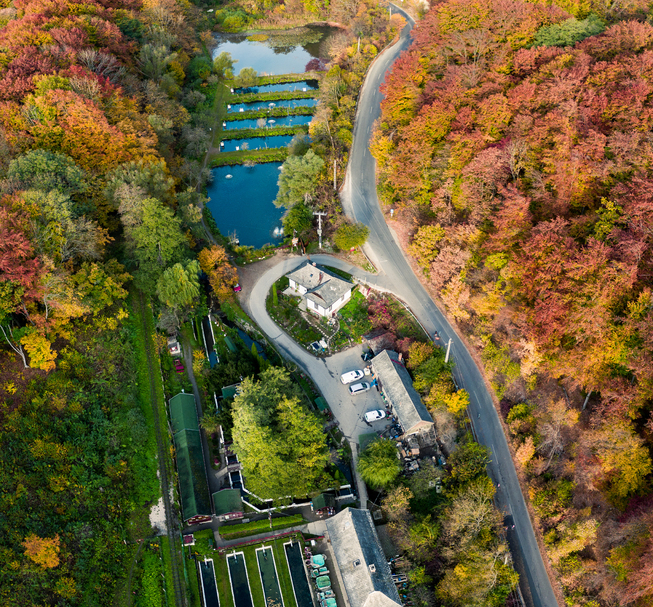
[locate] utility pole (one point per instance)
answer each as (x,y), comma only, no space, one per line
(319,226)
(446,358)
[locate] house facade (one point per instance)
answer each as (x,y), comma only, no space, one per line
(324,292)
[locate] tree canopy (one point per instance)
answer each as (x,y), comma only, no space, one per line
(279,441)
(298,178)
(378,463)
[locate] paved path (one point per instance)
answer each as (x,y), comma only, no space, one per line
(360,202)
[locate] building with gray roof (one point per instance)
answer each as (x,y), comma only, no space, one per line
(325,293)
(362,567)
(397,386)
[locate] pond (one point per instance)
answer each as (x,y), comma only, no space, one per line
(264,105)
(252,123)
(283,52)
(242,204)
(282,87)
(255,143)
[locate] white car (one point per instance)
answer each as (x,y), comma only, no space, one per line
(350,376)
(374,416)
(358,388)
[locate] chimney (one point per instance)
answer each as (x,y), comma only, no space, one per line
(319,280)
(401,357)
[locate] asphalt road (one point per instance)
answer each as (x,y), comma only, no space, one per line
(360,202)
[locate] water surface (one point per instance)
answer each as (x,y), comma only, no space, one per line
(252,123)
(243,203)
(281,87)
(264,105)
(256,143)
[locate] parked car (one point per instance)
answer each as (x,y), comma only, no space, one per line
(350,376)
(237,288)
(358,388)
(374,416)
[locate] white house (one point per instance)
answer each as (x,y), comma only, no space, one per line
(325,293)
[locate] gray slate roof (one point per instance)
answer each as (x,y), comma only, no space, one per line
(323,287)
(398,389)
(354,540)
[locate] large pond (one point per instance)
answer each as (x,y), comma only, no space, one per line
(285,52)
(242,204)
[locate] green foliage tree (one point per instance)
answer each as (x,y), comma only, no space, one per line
(247,77)
(278,439)
(210,422)
(350,235)
(298,178)
(46,170)
(179,286)
(154,239)
(298,219)
(378,463)
(468,463)
(223,66)
(569,32)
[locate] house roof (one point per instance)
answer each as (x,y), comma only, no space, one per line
(183,413)
(363,566)
(193,487)
(323,287)
(227,501)
(398,388)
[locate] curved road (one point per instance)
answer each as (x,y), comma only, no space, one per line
(359,200)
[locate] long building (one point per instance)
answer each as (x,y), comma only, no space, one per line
(193,482)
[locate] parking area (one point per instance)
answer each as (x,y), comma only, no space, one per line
(350,409)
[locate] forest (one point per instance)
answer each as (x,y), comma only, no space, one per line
(514,148)
(104,114)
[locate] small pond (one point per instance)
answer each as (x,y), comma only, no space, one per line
(264,105)
(255,143)
(243,203)
(282,87)
(232,125)
(283,52)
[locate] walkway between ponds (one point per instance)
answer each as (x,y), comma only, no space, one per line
(313,528)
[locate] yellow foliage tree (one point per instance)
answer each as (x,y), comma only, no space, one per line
(457,402)
(39,349)
(42,550)
(222,275)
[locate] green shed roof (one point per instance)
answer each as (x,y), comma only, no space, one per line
(321,404)
(229,391)
(192,474)
(183,413)
(324,500)
(226,501)
(230,344)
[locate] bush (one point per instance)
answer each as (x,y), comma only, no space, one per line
(349,236)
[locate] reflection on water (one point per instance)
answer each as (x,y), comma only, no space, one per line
(285,52)
(243,203)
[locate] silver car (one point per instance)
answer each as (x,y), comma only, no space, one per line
(358,388)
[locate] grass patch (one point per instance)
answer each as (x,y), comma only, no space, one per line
(275,112)
(272,96)
(230,532)
(164,543)
(219,159)
(341,273)
(223,582)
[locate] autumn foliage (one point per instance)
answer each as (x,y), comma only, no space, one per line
(521,173)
